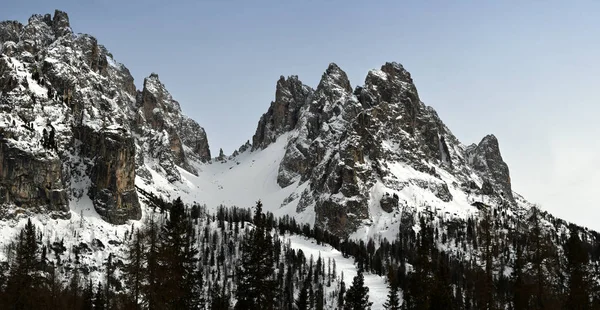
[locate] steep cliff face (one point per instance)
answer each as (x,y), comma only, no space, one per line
(31,182)
(111,172)
(283,114)
(486,159)
(67,88)
(168,136)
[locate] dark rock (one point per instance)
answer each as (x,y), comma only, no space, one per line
(60,24)
(282,116)
(487,188)
(97,245)
(389,203)
(486,159)
(10,31)
(32,182)
(112,174)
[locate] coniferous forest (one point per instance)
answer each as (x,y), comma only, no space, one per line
(186,258)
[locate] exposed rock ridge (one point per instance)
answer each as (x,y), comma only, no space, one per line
(282,116)
(344,140)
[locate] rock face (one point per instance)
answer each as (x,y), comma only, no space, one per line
(344,143)
(487,160)
(104,132)
(166,132)
(282,116)
(32,182)
(112,173)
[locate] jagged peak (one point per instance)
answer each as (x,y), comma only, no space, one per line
(283,113)
(396,70)
(61,24)
(39,18)
(334,76)
(153,84)
(489,139)
(389,72)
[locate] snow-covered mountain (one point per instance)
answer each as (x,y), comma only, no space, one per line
(347,160)
(82,149)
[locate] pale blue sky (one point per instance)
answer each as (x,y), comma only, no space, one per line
(526,72)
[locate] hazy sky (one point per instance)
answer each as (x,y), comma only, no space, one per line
(526,72)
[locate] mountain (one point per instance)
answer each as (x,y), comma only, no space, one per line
(80,144)
(67,88)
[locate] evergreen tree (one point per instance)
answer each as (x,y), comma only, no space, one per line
(99,299)
(357,297)
(134,270)
(302,301)
(152,285)
(218,299)
(255,287)
(520,291)
(341,293)
(392,302)
(88,297)
(23,280)
(320,303)
(578,289)
(180,283)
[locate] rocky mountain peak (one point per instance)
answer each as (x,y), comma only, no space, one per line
(334,78)
(71,113)
(487,160)
(283,113)
(60,23)
(396,71)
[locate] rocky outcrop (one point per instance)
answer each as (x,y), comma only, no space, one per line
(112,173)
(389,203)
(487,161)
(33,182)
(282,116)
(9,31)
(344,140)
(169,135)
(60,24)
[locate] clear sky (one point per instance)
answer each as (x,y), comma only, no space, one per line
(526,71)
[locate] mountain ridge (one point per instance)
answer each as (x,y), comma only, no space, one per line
(347,149)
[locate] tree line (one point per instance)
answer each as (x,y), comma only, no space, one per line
(186,258)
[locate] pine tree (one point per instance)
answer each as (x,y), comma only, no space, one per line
(255,287)
(520,291)
(341,293)
(152,272)
(88,297)
(320,304)
(218,299)
(134,270)
(100,299)
(302,301)
(180,283)
(578,289)
(23,280)
(357,297)
(392,302)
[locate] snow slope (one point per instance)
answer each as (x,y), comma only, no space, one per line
(377,287)
(239,181)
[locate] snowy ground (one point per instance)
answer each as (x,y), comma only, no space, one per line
(377,287)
